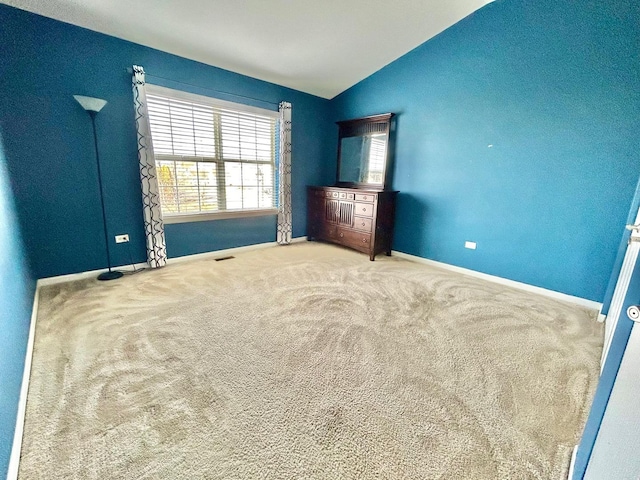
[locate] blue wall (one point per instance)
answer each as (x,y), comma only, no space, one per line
(49,145)
(553,87)
(16,301)
(550,85)
(200,237)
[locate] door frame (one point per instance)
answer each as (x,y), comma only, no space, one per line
(620,291)
(612,358)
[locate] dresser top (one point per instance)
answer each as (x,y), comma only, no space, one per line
(351,189)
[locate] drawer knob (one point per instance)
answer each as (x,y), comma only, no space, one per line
(363,224)
(364,240)
(364,209)
(341,234)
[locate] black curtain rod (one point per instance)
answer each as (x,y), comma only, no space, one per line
(130,71)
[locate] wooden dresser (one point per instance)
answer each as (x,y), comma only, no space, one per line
(353,217)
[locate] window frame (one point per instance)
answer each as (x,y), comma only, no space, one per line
(171,218)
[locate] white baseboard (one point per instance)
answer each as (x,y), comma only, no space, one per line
(228,251)
(42,282)
(14,459)
(583,302)
(572,465)
(187,258)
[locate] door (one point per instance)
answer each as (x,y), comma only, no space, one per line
(622,285)
(615,451)
(613,426)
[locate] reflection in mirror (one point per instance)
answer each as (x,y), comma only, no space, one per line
(363,159)
(363,152)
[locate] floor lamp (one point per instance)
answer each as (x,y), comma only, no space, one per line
(92,107)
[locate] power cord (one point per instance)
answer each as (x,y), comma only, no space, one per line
(133,265)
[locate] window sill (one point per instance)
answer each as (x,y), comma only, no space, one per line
(202,217)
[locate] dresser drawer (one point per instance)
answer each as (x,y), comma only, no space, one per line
(358,240)
(364,209)
(340,195)
(362,223)
(365,197)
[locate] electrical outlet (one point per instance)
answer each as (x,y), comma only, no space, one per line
(470,245)
(122,238)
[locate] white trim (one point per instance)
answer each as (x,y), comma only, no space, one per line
(206,216)
(617,301)
(572,465)
(71,277)
(619,293)
(210,101)
(14,459)
(583,302)
(229,251)
(197,256)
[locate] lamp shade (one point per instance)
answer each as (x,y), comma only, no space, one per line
(90,104)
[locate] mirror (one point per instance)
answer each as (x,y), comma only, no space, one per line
(362,159)
(363,151)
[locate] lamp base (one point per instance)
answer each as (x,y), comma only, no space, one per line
(112,275)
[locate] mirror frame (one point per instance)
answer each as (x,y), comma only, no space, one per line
(360,127)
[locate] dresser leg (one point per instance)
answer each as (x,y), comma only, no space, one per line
(372,257)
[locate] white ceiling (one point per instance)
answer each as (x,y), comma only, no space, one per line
(317,46)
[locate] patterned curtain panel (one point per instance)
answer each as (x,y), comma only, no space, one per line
(153,224)
(284,170)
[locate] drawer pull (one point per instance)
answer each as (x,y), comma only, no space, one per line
(363,224)
(364,209)
(341,234)
(364,240)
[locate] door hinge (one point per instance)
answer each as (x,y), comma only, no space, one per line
(635,233)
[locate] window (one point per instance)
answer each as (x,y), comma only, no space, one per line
(377,153)
(214,159)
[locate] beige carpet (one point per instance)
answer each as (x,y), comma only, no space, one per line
(306,362)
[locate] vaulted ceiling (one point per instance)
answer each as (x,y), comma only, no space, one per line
(320,47)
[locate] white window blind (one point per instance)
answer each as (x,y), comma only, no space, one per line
(377,153)
(211,156)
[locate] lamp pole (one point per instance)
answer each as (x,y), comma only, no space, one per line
(110,275)
(92,106)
